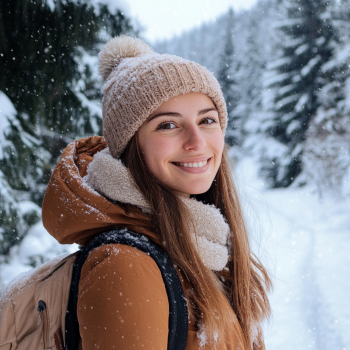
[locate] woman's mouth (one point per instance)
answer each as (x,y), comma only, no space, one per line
(193,164)
(194,167)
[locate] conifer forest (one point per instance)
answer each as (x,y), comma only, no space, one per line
(284,68)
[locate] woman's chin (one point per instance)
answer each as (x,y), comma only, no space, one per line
(192,190)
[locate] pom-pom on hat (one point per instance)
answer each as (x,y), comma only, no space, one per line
(138,81)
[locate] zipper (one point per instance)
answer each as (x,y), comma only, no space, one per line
(43,315)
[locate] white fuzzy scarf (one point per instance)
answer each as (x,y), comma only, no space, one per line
(210,232)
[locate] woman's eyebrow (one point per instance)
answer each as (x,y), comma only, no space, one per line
(203,111)
(174,114)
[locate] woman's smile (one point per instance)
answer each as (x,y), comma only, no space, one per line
(194,167)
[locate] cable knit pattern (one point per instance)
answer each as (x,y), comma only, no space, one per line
(209,231)
(138,81)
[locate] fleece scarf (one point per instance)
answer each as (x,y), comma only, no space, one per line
(209,231)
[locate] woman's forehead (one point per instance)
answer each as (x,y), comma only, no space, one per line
(193,100)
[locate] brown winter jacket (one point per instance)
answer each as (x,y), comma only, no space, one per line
(122,303)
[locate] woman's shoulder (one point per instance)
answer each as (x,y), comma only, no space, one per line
(119,260)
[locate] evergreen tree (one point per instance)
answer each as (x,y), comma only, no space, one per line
(16,213)
(333,96)
(252,57)
(225,74)
(296,78)
(226,61)
(326,153)
(48,70)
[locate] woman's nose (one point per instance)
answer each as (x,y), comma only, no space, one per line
(194,139)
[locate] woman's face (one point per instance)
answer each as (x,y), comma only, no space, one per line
(182,143)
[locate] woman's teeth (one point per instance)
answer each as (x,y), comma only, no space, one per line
(194,165)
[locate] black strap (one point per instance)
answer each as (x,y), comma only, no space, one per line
(178,313)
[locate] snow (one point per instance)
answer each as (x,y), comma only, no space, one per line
(93,107)
(301,49)
(287,101)
(302,102)
(341,57)
(85,61)
(293,126)
(51,4)
(201,335)
(311,65)
(279,63)
(347,93)
(288,22)
(285,89)
(25,207)
(6,192)
(7,112)
(276,78)
(305,243)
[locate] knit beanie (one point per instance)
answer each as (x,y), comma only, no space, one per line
(138,80)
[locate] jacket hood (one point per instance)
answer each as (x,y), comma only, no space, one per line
(72,211)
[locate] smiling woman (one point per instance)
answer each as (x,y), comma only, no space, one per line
(182,143)
(161,171)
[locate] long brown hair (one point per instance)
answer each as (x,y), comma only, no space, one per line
(246,286)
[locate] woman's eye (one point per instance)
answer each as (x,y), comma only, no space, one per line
(208,121)
(167,126)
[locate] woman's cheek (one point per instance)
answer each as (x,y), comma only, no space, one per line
(221,142)
(216,142)
(164,147)
(157,153)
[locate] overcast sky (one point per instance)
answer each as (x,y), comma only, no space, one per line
(165,18)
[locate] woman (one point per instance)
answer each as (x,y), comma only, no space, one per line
(162,171)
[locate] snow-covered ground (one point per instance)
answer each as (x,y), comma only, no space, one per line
(304,242)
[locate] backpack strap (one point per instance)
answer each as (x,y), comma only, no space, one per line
(178,313)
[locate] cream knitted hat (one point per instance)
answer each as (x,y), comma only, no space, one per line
(138,81)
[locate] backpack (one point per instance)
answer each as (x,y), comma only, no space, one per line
(38,310)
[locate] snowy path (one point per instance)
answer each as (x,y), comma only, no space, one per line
(306,245)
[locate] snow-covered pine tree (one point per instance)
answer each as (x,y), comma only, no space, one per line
(296,78)
(334,95)
(17,212)
(326,153)
(224,73)
(252,28)
(225,76)
(48,70)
